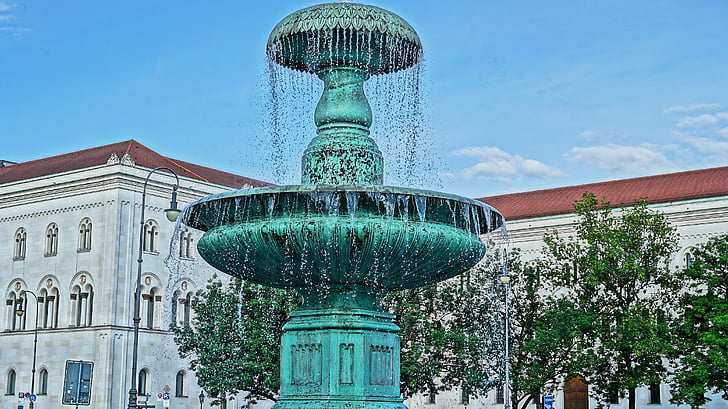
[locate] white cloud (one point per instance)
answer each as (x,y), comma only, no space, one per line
(709,146)
(701,121)
(620,158)
(493,163)
(688,108)
(723,132)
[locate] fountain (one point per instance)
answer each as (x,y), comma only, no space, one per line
(341,239)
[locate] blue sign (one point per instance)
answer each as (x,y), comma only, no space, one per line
(32,397)
(548,402)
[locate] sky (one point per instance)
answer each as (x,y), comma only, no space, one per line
(520,95)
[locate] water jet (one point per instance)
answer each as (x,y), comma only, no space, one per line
(341,239)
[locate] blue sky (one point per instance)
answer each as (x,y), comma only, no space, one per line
(523,95)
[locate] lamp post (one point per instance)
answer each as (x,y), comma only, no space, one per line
(505,278)
(171,214)
(202,398)
(19,312)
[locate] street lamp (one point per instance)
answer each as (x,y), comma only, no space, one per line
(19,312)
(171,214)
(202,398)
(505,278)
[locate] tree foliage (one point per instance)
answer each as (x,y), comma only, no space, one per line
(701,328)
(450,333)
(615,271)
(546,334)
(234,340)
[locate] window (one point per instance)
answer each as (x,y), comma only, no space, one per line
(151,307)
(151,237)
(10,386)
(179,389)
(143,381)
(49,310)
(43,382)
(12,304)
(84,235)
(655,394)
(19,320)
(689,257)
(464,397)
(82,305)
(20,243)
(499,395)
(51,246)
(614,398)
(185,244)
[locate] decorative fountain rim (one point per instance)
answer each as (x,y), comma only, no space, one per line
(359,17)
(479,218)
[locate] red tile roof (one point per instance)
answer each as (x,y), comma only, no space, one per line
(141,155)
(672,187)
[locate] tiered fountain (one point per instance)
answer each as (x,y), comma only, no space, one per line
(341,239)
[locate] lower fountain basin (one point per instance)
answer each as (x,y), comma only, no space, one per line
(313,235)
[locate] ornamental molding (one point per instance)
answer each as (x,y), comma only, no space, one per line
(48,212)
(347,16)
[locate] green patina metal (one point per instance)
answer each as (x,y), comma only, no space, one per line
(341,239)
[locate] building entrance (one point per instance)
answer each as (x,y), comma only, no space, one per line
(576,393)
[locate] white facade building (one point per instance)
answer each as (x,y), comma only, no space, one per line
(695,203)
(70,226)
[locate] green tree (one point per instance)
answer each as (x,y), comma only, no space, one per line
(615,271)
(447,336)
(450,334)
(546,334)
(234,340)
(701,331)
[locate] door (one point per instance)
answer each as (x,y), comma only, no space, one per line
(576,393)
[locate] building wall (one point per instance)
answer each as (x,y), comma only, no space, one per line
(110,197)
(695,220)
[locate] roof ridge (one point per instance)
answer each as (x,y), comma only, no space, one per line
(70,153)
(627,180)
(187,169)
(218,170)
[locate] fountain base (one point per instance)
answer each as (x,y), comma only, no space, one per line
(340,358)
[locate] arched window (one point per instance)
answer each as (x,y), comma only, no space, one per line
(21,237)
(49,312)
(43,382)
(182,305)
(51,245)
(186,244)
(84,235)
(10,385)
(187,309)
(149,300)
(689,257)
(88,304)
(10,318)
(17,322)
(151,236)
(82,300)
(143,382)
(76,306)
(179,383)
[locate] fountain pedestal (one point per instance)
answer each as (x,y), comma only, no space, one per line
(341,239)
(340,359)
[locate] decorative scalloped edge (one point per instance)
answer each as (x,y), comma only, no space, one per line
(359,17)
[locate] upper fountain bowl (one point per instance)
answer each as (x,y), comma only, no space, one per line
(344,35)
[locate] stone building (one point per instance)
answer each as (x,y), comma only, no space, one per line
(695,203)
(71,231)
(71,227)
